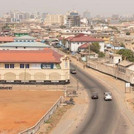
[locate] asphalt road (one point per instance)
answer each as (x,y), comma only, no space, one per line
(103,117)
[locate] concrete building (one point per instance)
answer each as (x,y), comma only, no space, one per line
(72,19)
(54,19)
(43,66)
(115,58)
(73,43)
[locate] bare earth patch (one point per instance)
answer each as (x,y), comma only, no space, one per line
(130,101)
(21,109)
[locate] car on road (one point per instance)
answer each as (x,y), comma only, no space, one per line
(73,71)
(95,95)
(108,96)
(107,93)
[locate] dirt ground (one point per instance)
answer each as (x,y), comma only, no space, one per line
(21,109)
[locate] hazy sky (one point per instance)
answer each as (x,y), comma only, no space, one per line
(102,7)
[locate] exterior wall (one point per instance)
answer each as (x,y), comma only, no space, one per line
(75,45)
(59,72)
(118,72)
(34,74)
(101,46)
(54,19)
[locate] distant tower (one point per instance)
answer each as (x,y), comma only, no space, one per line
(72,19)
(87,15)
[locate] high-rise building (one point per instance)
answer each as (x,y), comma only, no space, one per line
(52,19)
(72,19)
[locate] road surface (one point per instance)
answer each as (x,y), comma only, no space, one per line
(104,116)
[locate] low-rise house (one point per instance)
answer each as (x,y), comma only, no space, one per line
(24,43)
(42,66)
(73,43)
(115,58)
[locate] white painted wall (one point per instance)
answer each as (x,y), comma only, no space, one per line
(101,46)
(75,45)
(35,66)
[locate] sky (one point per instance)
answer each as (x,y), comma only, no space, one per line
(101,7)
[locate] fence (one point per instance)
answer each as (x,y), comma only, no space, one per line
(36,127)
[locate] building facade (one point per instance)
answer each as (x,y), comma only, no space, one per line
(73,43)
(42,66)
(72,19)
(54,19)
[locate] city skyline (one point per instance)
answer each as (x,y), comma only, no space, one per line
(103,7)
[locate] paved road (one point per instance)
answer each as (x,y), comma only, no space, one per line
(103,117)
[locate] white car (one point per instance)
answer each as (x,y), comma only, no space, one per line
(108,97)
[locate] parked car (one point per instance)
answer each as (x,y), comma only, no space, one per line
(95,95)
(73,71)
(107,96)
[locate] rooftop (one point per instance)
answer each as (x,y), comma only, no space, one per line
(84,46)
(24,44)
(84,38)
(21,56)
(26,37)
(6,39)
(125,63)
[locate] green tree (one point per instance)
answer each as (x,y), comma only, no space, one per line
(64,41)
(122,45)
(127,33)
(127,54)
(101,54)
(95,47)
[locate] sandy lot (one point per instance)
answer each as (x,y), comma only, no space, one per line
(21,109)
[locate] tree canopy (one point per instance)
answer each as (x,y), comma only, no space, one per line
(95,47)
(127,54)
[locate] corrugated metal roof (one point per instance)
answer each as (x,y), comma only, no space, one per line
(24,44)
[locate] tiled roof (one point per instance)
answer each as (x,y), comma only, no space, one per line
(40,56)
(84,46)
(84,38)
(6,39)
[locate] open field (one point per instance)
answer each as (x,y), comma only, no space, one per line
(21,109)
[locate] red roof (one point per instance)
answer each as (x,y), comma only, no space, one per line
(6,39)
(29,56)
(84,46)
(84,38)
(69,38)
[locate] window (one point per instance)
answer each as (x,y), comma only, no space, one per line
(21,65)
(46,66)
(11,65)
(26,65)
(6,65)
